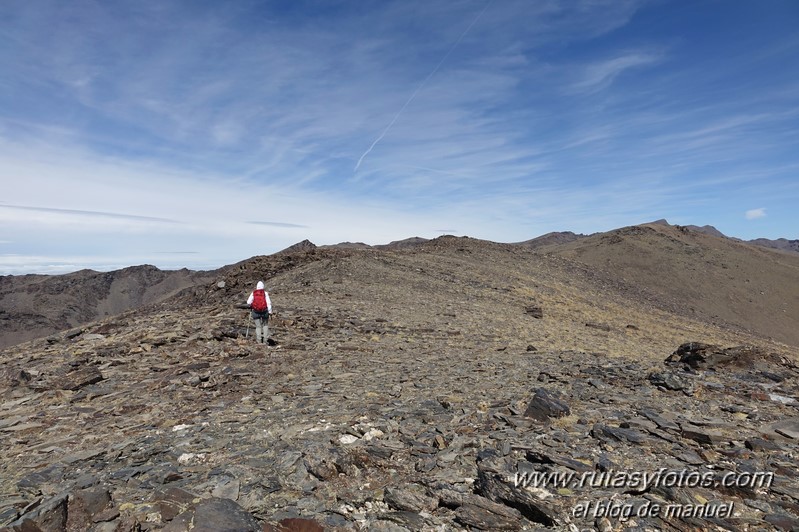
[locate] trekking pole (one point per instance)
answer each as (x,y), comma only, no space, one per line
(248,325)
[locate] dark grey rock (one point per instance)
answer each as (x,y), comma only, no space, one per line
(333,521)
(50,515)
(382,525)
(788,428)
(546,405)
(782,521)
(13,377)
(53,474)
(215,515)
(8,514)
(659,420)
(172,502)
(449,497)
(699,355)
(703,436)
(554,458)
(322,467)
(494,486)
(483,514)
(408,519)
(671,381)
(412,498)
(78,379)
(535,311)
(85,505)
(759,444)
(606,433)
(72,334)
(689,457)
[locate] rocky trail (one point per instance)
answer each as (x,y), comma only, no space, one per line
(452,386)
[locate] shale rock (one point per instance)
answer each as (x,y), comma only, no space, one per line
(483,514)
(214,515)
(546,405)
(699,355)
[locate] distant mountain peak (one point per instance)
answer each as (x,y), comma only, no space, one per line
(305,245)
(707,229)
(347,245)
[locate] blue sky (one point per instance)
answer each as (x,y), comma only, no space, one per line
(199,134)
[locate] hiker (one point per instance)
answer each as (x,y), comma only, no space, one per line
(261,307)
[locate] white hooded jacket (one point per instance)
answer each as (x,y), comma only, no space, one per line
(260,286)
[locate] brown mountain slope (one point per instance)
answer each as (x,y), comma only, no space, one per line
(32,306)
(712,278)
(402,391)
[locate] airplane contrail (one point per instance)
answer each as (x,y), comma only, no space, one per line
(421,85)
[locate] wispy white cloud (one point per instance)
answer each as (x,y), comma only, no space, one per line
(421,86)
(754,214)
(599,75)
(280,224)
(91,214)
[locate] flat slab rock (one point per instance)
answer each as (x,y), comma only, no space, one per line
(214,515)
(545,405)
(788,428)
(484,514)
(78,379)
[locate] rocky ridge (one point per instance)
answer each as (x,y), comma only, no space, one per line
(407,390)
(32,306)
(81,297)
(781,244)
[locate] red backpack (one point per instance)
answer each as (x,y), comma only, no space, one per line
(259,301)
